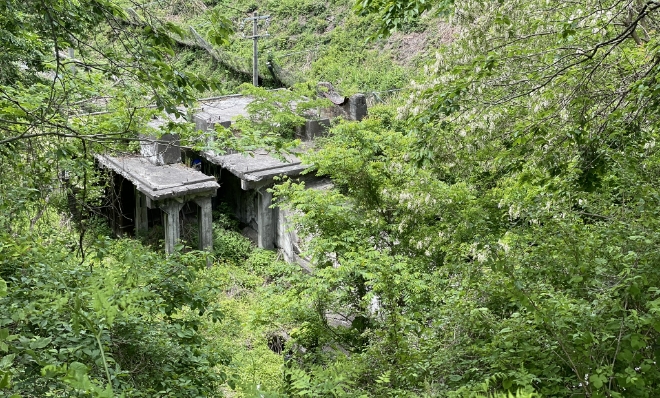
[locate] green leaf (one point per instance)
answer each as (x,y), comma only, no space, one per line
(597,380)
(40,343)
(637,341)
(7,360)
(5,380)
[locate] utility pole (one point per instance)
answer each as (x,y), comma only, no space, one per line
(255,18)
(255,69)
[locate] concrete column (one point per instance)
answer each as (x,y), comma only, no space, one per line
(141,220)
(205,224)
(266,221)
(172,232)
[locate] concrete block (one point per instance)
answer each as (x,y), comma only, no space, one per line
(161,151)
(354,108)
(357,107)
(206,122)
(201,122)
(315,128)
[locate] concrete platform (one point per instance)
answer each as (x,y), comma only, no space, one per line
(258,170)
(160,182)
(221,111)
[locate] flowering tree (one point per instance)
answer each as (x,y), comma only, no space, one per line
(505,218)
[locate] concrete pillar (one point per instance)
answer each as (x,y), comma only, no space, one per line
(266,221)
(141,220)
(171,220)
(205,224)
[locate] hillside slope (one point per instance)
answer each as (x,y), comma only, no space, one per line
(308,40)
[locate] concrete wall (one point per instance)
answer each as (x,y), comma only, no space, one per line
(288,240)
(313,129)
(245,207)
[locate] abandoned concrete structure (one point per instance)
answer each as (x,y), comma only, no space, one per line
(246,178)
(159,181)
(162,182)
(246,181)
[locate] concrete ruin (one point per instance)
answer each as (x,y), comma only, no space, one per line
(222,111)
(161,181)
(247,178)
(246,181)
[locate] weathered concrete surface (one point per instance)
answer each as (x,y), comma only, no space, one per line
(313,129)
(355,108)
(166,187)
(160,182)
(161,151)
(288,240)
(141,213)
(266,220)
(171,210)
(205,223)
(222,111)
(256,170)
(329,92)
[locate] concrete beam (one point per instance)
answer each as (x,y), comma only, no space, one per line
(160,183)
(266,220)
(141,218)
(171,211)
(205,223)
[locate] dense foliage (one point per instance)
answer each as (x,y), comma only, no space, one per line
(493,231)
(501,227)
(125,322)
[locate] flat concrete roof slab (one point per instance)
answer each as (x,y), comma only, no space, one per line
(259,167)
(223,110)
(162,121)
(160,182)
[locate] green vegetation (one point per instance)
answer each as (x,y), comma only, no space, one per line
(491,232)
(128,321)
(308,40)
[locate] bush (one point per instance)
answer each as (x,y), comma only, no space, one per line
(125,321)
(230,245)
